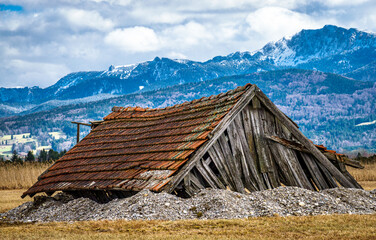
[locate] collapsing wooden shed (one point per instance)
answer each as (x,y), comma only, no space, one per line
(238,140)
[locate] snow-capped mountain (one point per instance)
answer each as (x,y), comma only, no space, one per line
(313,46)
(331,49)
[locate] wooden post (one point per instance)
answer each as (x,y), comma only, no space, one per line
(78,128)
(78,133)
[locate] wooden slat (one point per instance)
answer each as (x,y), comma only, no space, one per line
(314,171)
(270,128)
(259,141)
(262,149)
(187,185)
(329,179)
(251,150)
(222,168)
(232,163)
(303,140)
(205,175)
(234,130)
(196,182)
(212,175)
(292,161)
(342,168)
(285,170)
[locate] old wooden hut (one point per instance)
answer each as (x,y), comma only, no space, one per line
(238,140)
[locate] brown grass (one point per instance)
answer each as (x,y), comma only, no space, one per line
(366,177)
(12,198)
(309,227)
(366,174)
(19,176)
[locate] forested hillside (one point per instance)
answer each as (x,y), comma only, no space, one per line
(326,106)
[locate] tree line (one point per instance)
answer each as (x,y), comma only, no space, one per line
(44,156)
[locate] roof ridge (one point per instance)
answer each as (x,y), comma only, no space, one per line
(140,109)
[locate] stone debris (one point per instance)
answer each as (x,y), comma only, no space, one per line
(208,204)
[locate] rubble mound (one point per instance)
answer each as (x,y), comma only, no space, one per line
(208,204)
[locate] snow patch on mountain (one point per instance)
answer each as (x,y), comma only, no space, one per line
(123,71)
(366,123)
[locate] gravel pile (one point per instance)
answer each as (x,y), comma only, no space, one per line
(208,204)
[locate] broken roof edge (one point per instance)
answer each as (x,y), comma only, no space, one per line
(140,109)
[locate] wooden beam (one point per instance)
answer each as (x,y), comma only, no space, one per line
(303,140)
(80,123)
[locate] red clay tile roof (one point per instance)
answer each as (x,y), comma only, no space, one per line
(136,148)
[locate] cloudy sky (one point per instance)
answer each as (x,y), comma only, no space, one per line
(43,40)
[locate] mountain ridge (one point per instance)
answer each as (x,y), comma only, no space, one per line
(329,49)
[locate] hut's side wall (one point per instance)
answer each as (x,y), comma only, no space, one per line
(245,158)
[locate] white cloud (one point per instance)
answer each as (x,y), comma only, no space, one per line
(35,73)
(187,35)
(86,19)
(276,22)
(135,39)
(337,3)
(176,55)
(115,2)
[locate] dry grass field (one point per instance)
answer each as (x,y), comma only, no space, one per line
(366,174)
(12,198)
(312,227)
(20,177)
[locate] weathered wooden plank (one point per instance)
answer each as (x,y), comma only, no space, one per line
(232,163)
(212,175)
(213,136)
(314,171)
(248,132)
(351,179)
(329,179)
(267,181)
(292,161)
(196,182)
(251,150)
(214,153)
(341,166)
(288,143)
(259,141)
(262,149)
(205,175)
(285,170)
(270,128)
(187,185)
(303,140)
(234,130)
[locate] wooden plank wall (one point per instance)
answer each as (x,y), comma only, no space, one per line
(244,159)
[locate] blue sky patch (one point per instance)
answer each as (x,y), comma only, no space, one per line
(12,8)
